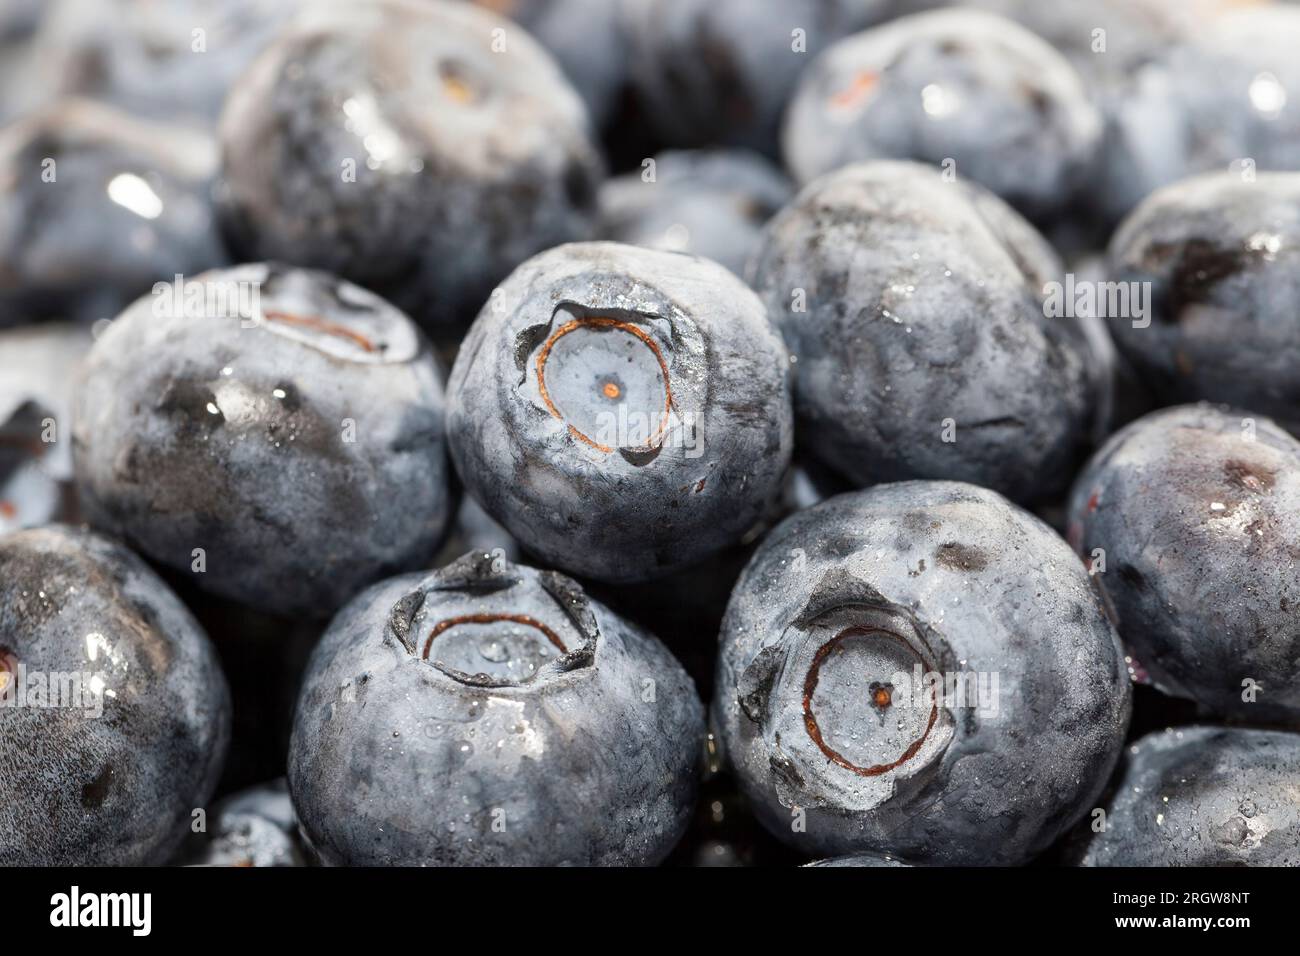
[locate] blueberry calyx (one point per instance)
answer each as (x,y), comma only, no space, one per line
(485,622)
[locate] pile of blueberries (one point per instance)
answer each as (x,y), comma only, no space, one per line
(615,432)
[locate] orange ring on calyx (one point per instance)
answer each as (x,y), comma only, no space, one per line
(603,323)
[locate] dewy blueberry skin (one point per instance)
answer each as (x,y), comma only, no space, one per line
(826,695)
(421,149)
(286,423)
(1220,258)
(711,203)
(96,206)
(914,310)
(1190,517)
(952,86)
(80,785)
(623,412)
(490,714)
(1204,796)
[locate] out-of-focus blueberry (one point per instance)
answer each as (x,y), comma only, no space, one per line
(920,669)
(95,207)
(490,714)
(585,37)
(37,367)
(974,92)
(253,828)
(721,71)
(275,433)
(171,61)
(115,713)
(1215,101)
(421,149)
(624,412)
(1218,260)
(914,311)
(1190,519)
(711,203)
(1204,796)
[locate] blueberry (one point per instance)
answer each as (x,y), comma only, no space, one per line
(420,149)
(37,364)
(90,632)
(710,203)
(1217,256)
(170,61)
(623,412)
(1204,796)
(952,86)
(1216,100)
(585,37)
(285,424)
(721,71)
(253,828)
(490,714)
(95,206)
(915,309)
(1195,512)
(920,669)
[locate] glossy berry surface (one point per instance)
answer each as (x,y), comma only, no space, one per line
(1219,256)
(421,149)
(1190,517)
(114,711)
(490,714)
(710,203)
(1204,796)
(914,310)
(955,87)
(828,713)
(96,206)
(621,411)
(285,423)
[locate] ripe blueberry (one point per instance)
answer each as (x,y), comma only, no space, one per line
(1189,518)
(919,669)
(421,149)
(114,712)
(275,433)
(622,411)
(490,714)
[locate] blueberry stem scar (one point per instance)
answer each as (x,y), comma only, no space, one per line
(316,323)
(601,322)
(810,720)
(523,619)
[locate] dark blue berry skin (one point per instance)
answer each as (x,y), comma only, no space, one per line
(490,714)
(957,86)
(721,71)
(586,39)
(860,859)
(1221,258)
(96,206)
(1204,796)
(387,142)
(913,310)
(1197,511)
(838,755)
(710,203)
(623,412)
(304,453)
(119,789)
